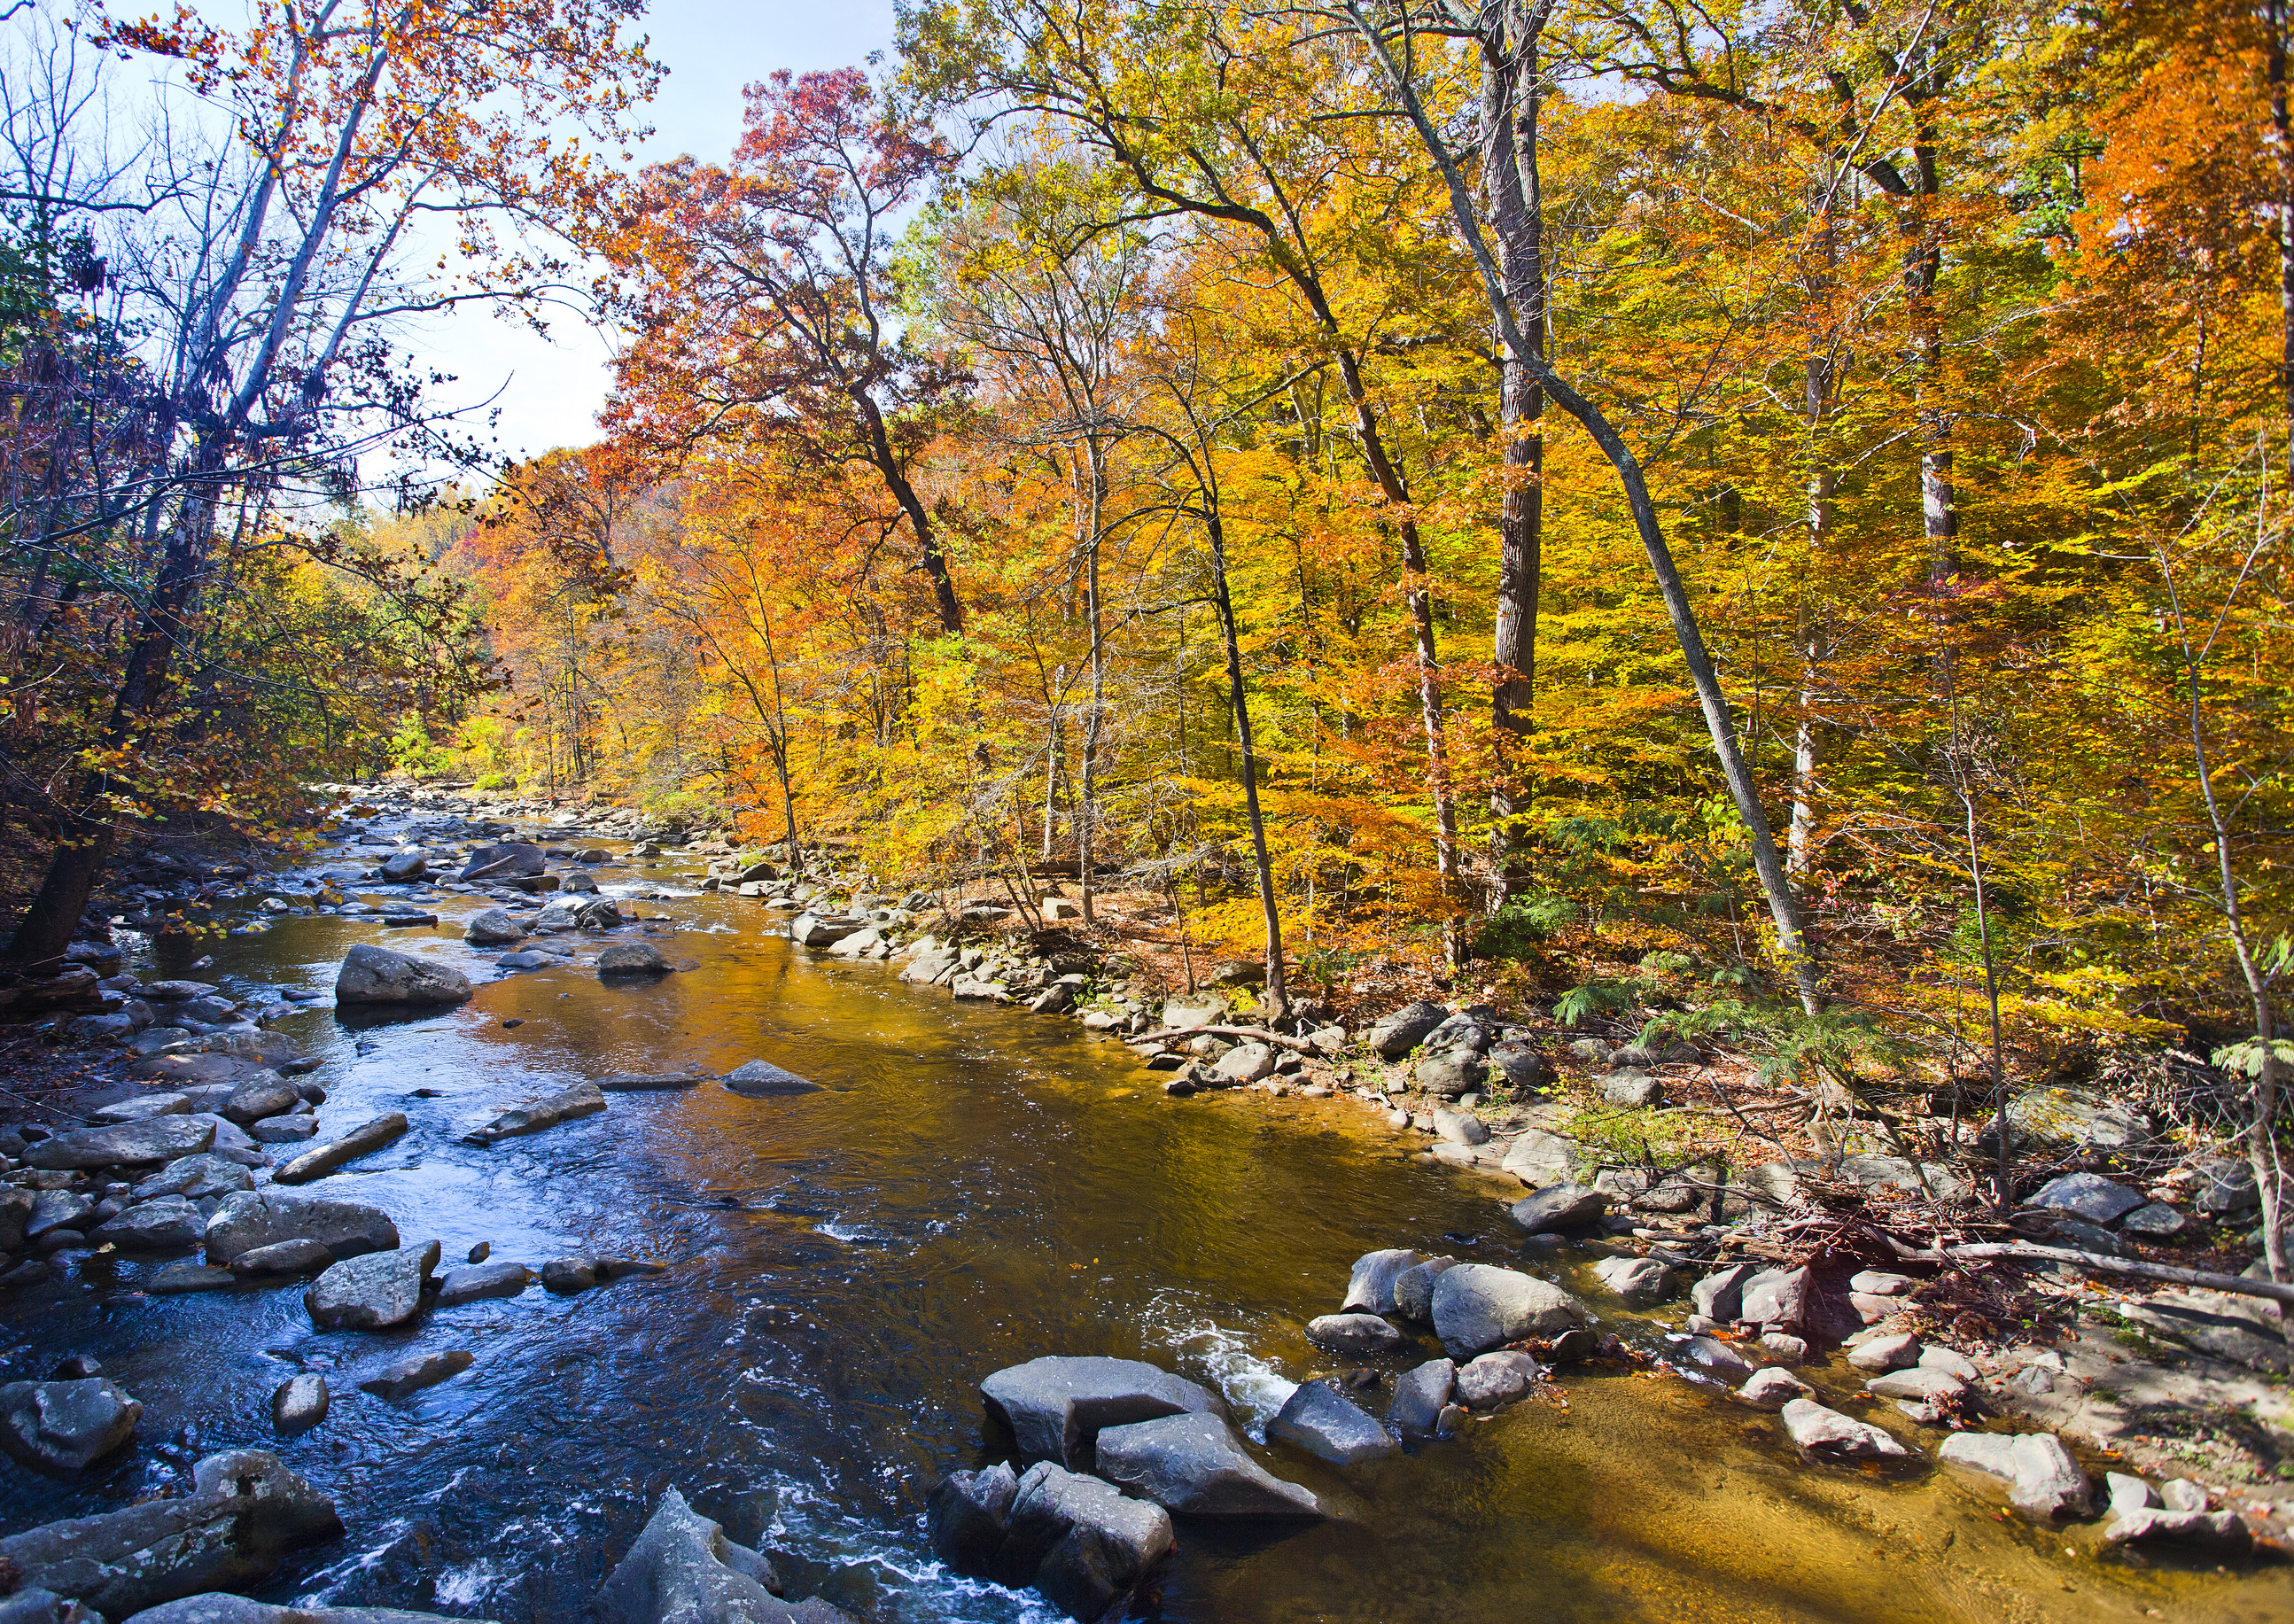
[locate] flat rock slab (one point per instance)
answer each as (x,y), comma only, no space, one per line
(407,1377)
(156,1139)
(64,1426)
(763,1080)
(253,1219)
(141,1109)
(244,1513)
(1056,1406)
(2089,1195)
(582,1100)
(1322,1421)
(283,1257)
(1476,1308)
(177,1279)
(361,1140)
(1194,1464)
(650,1081)
(372,1293)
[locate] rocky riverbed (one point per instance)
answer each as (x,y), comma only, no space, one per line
(614,1228)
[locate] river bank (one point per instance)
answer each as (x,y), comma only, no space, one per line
(970,1187)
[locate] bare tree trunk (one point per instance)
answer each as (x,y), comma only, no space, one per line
(1086,812)
(2282,127)
(1513,187)
(1808,740)
(1277,1002)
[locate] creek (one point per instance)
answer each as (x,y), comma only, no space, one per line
(973,1187)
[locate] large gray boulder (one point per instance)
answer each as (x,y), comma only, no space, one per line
(2087,1195)
(1193,1464)
(1496,1379)
(1776,1298)
(822,929)
(582,1100)
(492,928)
(1322,1421)
(968,1514)
(1478,1308)
(194,1178)
(372,1293)
(251,1219)
(1413,1289)
(169,1225)
(1539,1160)
(1056,1406)
(377,975)
(509,861)
(1641,1281)
(266,1094)
(1720,1295)
(155,1139)
(1420,1395)
(682,1570)
(1399,1032)
(1560,1208)
(1370,1288)
(482,1280)
(1087,1547)
(244,1513)
(633,959)
(63,1425)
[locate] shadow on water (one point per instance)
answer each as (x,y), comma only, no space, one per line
(972,1188)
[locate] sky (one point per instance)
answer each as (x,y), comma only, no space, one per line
(551,389)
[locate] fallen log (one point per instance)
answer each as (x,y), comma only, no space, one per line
(2024,1252)
(1257,1034)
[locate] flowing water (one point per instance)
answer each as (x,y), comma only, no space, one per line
(975,1187)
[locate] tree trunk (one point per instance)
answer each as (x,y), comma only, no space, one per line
(1808,741)
(1514,191)
(1086,812)
(2282,127)
(933,562)
(1277,1002)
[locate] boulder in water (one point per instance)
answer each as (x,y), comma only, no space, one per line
(1476,1308)
(63,1425)
(1193,1464)
(1322,1421)
(262,1219)
(299,1404)
(510,860)
(1370,1289)
(582,1100)
(1056,1406)
(682,1570)
(492,928)
(377,975)
(633,959)
(361,1140)
(763,1080)
(1086,1545)
(245,1511)
(372,1293)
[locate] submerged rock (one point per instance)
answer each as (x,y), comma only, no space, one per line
(1193,1464)
(245,1511)
(405,1377)
(1056,1406)
(64,1426)
(582,1100)
(481,1280)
